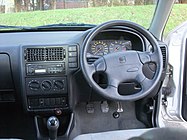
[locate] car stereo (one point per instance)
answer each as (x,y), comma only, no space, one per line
(45,69)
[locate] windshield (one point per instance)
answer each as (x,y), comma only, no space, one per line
(34,13)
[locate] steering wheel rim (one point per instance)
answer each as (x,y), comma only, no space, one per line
(111,92)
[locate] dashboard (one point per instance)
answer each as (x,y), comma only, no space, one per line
(41,72)
(43,68)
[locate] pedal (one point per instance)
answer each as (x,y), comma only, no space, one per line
(104,107)
(119,107)
(90,108)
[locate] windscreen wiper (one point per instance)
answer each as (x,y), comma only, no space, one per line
(65,27)
(6,27)
(58,25)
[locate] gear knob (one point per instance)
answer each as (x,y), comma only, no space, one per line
(53,125)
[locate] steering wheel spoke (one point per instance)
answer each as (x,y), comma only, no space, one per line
(112,91)
(100,64)
(91,69)
(144,57)
(154,57)
(146,84)
(112,88)
(113,82)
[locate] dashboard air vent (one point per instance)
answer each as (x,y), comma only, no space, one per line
(44,54)
(163,49)
(54,54)
(35,54)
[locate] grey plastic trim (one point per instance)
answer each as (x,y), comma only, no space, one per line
(160,18)
(128,30)
(170,113)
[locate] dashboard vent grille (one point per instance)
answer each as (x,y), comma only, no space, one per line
(44,54)
(163,49)
(54,54)
(35,54)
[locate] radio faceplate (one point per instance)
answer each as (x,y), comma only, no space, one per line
(45,69)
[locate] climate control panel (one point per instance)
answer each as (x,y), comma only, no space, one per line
(46,85)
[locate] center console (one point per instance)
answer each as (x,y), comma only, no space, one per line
(46,75)
(45,78)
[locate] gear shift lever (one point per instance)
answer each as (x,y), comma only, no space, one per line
(52,125)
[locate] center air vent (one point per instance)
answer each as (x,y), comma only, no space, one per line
(44,54)
(54,54)
(33,54)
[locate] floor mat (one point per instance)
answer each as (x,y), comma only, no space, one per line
(100,122)
(14,123)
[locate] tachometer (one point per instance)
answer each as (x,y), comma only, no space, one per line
(120,45)
(99,48)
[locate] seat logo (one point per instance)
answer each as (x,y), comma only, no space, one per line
(122,59)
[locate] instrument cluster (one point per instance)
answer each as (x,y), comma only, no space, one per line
(103,47)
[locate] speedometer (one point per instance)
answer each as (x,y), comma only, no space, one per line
(120,45)
(99,48)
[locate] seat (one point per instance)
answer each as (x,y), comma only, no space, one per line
(112,135)
(138,134)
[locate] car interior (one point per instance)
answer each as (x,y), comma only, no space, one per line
(85,82)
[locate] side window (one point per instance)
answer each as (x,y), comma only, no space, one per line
(178,16)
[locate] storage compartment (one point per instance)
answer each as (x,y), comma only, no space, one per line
(7,90)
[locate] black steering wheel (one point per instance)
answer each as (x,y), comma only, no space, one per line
(122,66)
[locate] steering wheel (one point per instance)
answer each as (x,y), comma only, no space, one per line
(122,66)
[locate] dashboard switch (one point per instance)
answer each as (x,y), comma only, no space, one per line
(41,102)
(72,48)
(72,59)
(33,102)
(71,54)
(63,100)
(72,65)
(57,101)
(52,101)
(46,102)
